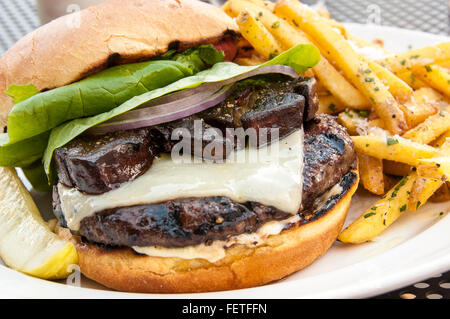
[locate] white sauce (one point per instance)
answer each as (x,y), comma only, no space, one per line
(274,179)
(217,250)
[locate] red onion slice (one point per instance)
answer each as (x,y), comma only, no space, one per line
(184,103)
(163,113)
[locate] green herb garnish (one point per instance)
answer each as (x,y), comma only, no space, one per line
(363,113)
(347,111)
(391,141)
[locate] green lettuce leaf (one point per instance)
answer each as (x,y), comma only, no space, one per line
(300,58)
(37,113)
(21,93)
(23,153)
(35,174)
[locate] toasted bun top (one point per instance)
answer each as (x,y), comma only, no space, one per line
(117,31)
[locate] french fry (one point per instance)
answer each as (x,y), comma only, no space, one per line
(377,123)
(445,64)
(344,91)
(398,88)
(441,139)
(425,103)
(442,194)
(371,173)
(421,191)
(431,128)
(396,149)
(289,37)
(353,121)
(435,76)
(418,57)
(336,48)
(280,29)
(424,188)
(336,25)
(261,4)
(330,105)
(380,215)
(436,168)
(258,36)
(428,95)
(395,168)
(409,78)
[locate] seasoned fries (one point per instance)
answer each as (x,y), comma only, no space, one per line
(398,88)
(380,215)
(258,36)
(421,191)
(425,103)
(409,78)
(424,187)
(396,107)
(371,173)
(393,148)
(436,168)
(431,128)
(418,57)
(336,48)
(329,104)
(288,37)
(435,76)
(353,121)
(441,139)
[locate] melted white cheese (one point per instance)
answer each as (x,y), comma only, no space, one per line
(272,176)
(217,250)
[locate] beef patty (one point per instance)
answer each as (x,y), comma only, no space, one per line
(97,164)
(328,157)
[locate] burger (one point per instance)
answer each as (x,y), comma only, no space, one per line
(172,168)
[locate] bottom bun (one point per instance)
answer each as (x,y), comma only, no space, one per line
(243,267)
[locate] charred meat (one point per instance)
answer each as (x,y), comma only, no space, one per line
(177,223)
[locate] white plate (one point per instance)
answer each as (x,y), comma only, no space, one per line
(416,247)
